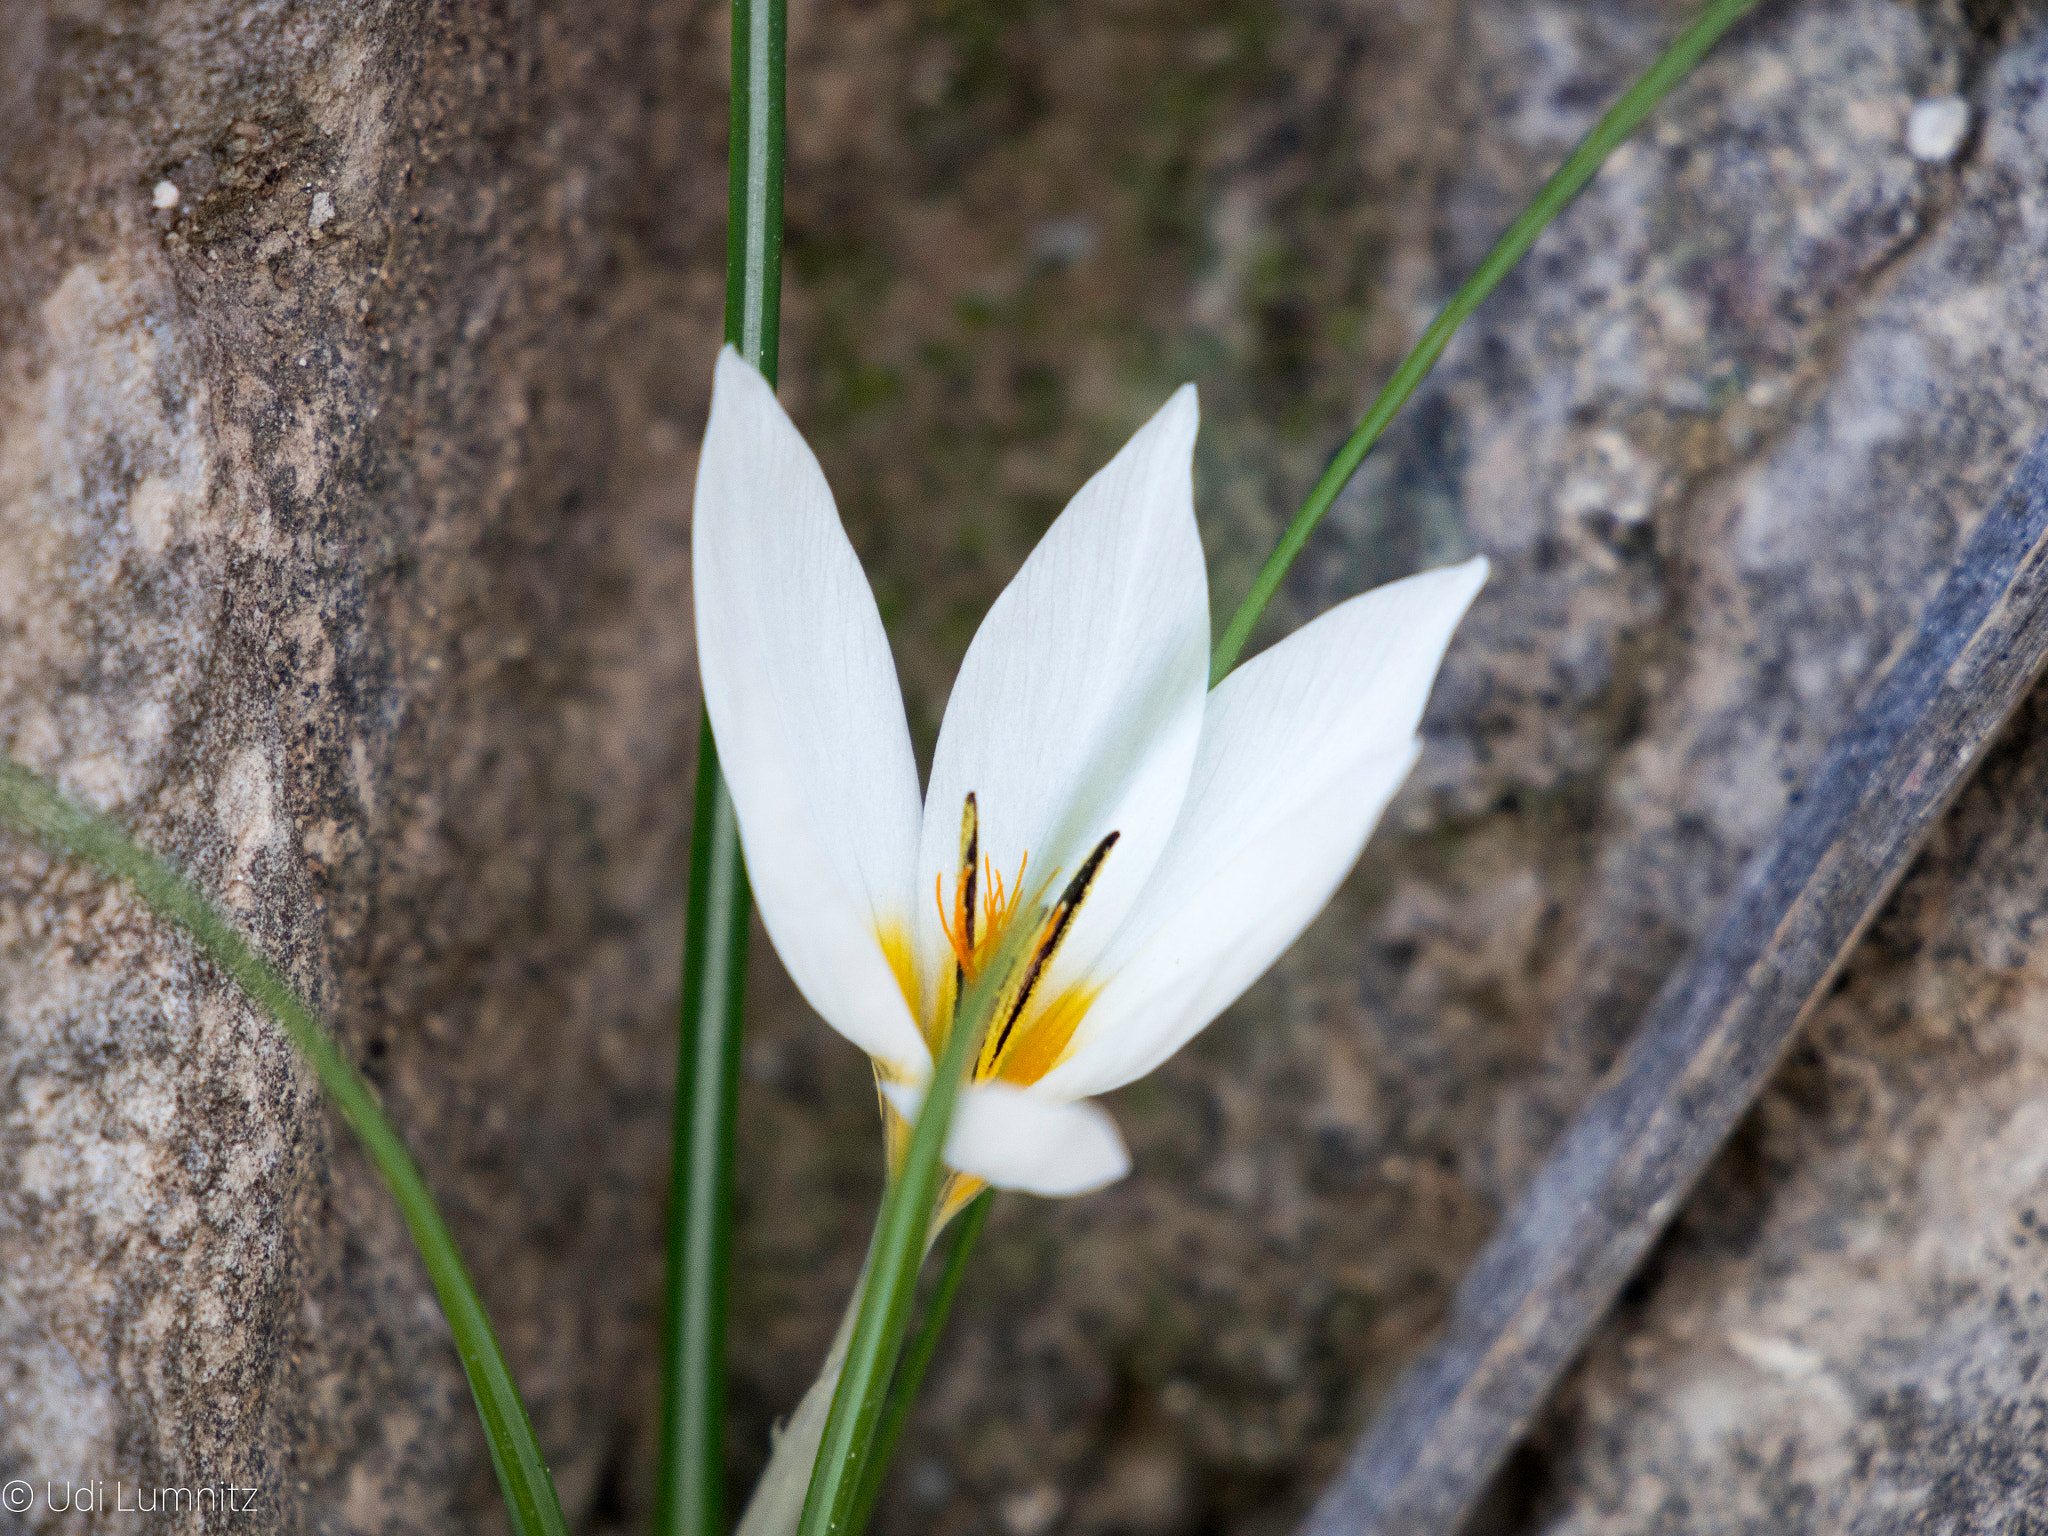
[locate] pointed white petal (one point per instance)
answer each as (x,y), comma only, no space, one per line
(1079,704)
(1301,750)
(807,714)
(1226,933)
(1015,1139)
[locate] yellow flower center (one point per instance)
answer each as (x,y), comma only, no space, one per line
(1028,1031)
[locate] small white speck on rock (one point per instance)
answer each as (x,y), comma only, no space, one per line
(1032,1512)
(1936,128)
(323,211)
(165,195)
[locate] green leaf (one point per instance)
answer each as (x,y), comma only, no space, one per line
(32,805)
(690,1487)
(1622,119)
(690,1494)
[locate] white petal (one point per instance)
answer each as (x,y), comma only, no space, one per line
(1225,934)
(1015,1139)
(1079,704)
(1301,750)
(807,714)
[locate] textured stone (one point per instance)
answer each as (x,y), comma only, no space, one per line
(341,557)
(343,552)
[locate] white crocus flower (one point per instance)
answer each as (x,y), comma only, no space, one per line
(1167,842)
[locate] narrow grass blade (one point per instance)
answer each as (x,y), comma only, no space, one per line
(753,230)
(1621,120)
(690,1491)
(30,804)
(910,1374)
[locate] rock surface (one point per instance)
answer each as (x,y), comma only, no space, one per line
(343,552)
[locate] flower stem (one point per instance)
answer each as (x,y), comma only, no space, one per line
(1622,119)
(777,1502)
(902,1234)
(910,1375)
(32,805)
(690,1492)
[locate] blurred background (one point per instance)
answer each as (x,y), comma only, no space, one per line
(344,497)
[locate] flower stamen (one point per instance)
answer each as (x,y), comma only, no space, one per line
(979,884)
(1052,932)
(960,933)
(1001,901)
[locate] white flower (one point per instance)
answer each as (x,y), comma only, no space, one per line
(1169,841)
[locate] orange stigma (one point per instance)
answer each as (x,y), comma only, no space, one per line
(972,940)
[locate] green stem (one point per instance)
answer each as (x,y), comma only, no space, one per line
(34,806)
(910,1375)
(1622,119)
(902,1232)
(753,229)
(690,1491)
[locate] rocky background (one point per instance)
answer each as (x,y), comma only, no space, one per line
(352,361)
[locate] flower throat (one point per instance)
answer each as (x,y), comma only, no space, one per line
(1023,1054)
